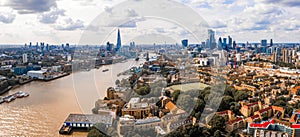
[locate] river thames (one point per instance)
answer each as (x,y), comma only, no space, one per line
(50,103)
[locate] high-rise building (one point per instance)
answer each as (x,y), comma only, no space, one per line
(229,41)
(109,47)
(25,58)
(119,42)
(286,56)
(234,45)
(220,43)
(238,57)
(185,43)
(275,57)
(132,45)
(264,43)
(224,43)
(271,43)
(211,41)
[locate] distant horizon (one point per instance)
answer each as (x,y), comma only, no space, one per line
(72,44)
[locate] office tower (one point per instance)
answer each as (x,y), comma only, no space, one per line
(132,45)
(47,47)
(271,43)
(119,43)
(211,41)
(25,58)
(67,46)
(220,43)
(229,41)
(185,43)
(234,45)
(109,47)
(224,43)
(275,57)
(264,43)
(238,57)
(286,55)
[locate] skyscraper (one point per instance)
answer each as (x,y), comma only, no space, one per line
(211,41)
(229,41)
(185,43)
(119,43)
(224,43)
(275,57)
(220,43)
(234,45)
(25,58)
(271,43)
(264,43)
(109,47)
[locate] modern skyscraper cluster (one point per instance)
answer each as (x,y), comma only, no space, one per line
(222,44)
(110,47)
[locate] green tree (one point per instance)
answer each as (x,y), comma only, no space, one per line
(280,103)
(175,95)
(217,133)
(241,95)
(217,123)
(94,132)
(225,103)
(118,82)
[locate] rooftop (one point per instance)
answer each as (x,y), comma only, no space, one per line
(89,118)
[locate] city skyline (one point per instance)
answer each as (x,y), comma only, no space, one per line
(63,21)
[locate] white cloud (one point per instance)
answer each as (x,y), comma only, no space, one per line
(69,25)
(52,16)
(242,19)
(7,18)
(31,6)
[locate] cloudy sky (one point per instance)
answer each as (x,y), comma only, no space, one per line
(61,21)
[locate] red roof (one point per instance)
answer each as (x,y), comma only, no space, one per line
(235,121)
(263,124)
(224,112)
(254,117)
(264,110)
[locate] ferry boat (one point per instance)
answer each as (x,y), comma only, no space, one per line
(21,94)
(9,98)
(65,130)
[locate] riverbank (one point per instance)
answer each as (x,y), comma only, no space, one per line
(6,90)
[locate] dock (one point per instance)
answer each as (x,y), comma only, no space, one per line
(83,122)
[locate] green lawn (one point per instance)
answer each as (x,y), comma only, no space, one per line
(190,86)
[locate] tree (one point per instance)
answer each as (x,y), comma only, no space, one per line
(175,95)
(241,95)
(118,82)
(94,132)
(225,103)
(167,93)
(186,102)
(217,133)
(217,123)
(144,90)
(280,103)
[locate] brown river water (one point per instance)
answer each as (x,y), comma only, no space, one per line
(50,103)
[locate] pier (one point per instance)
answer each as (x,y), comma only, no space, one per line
(84,122)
